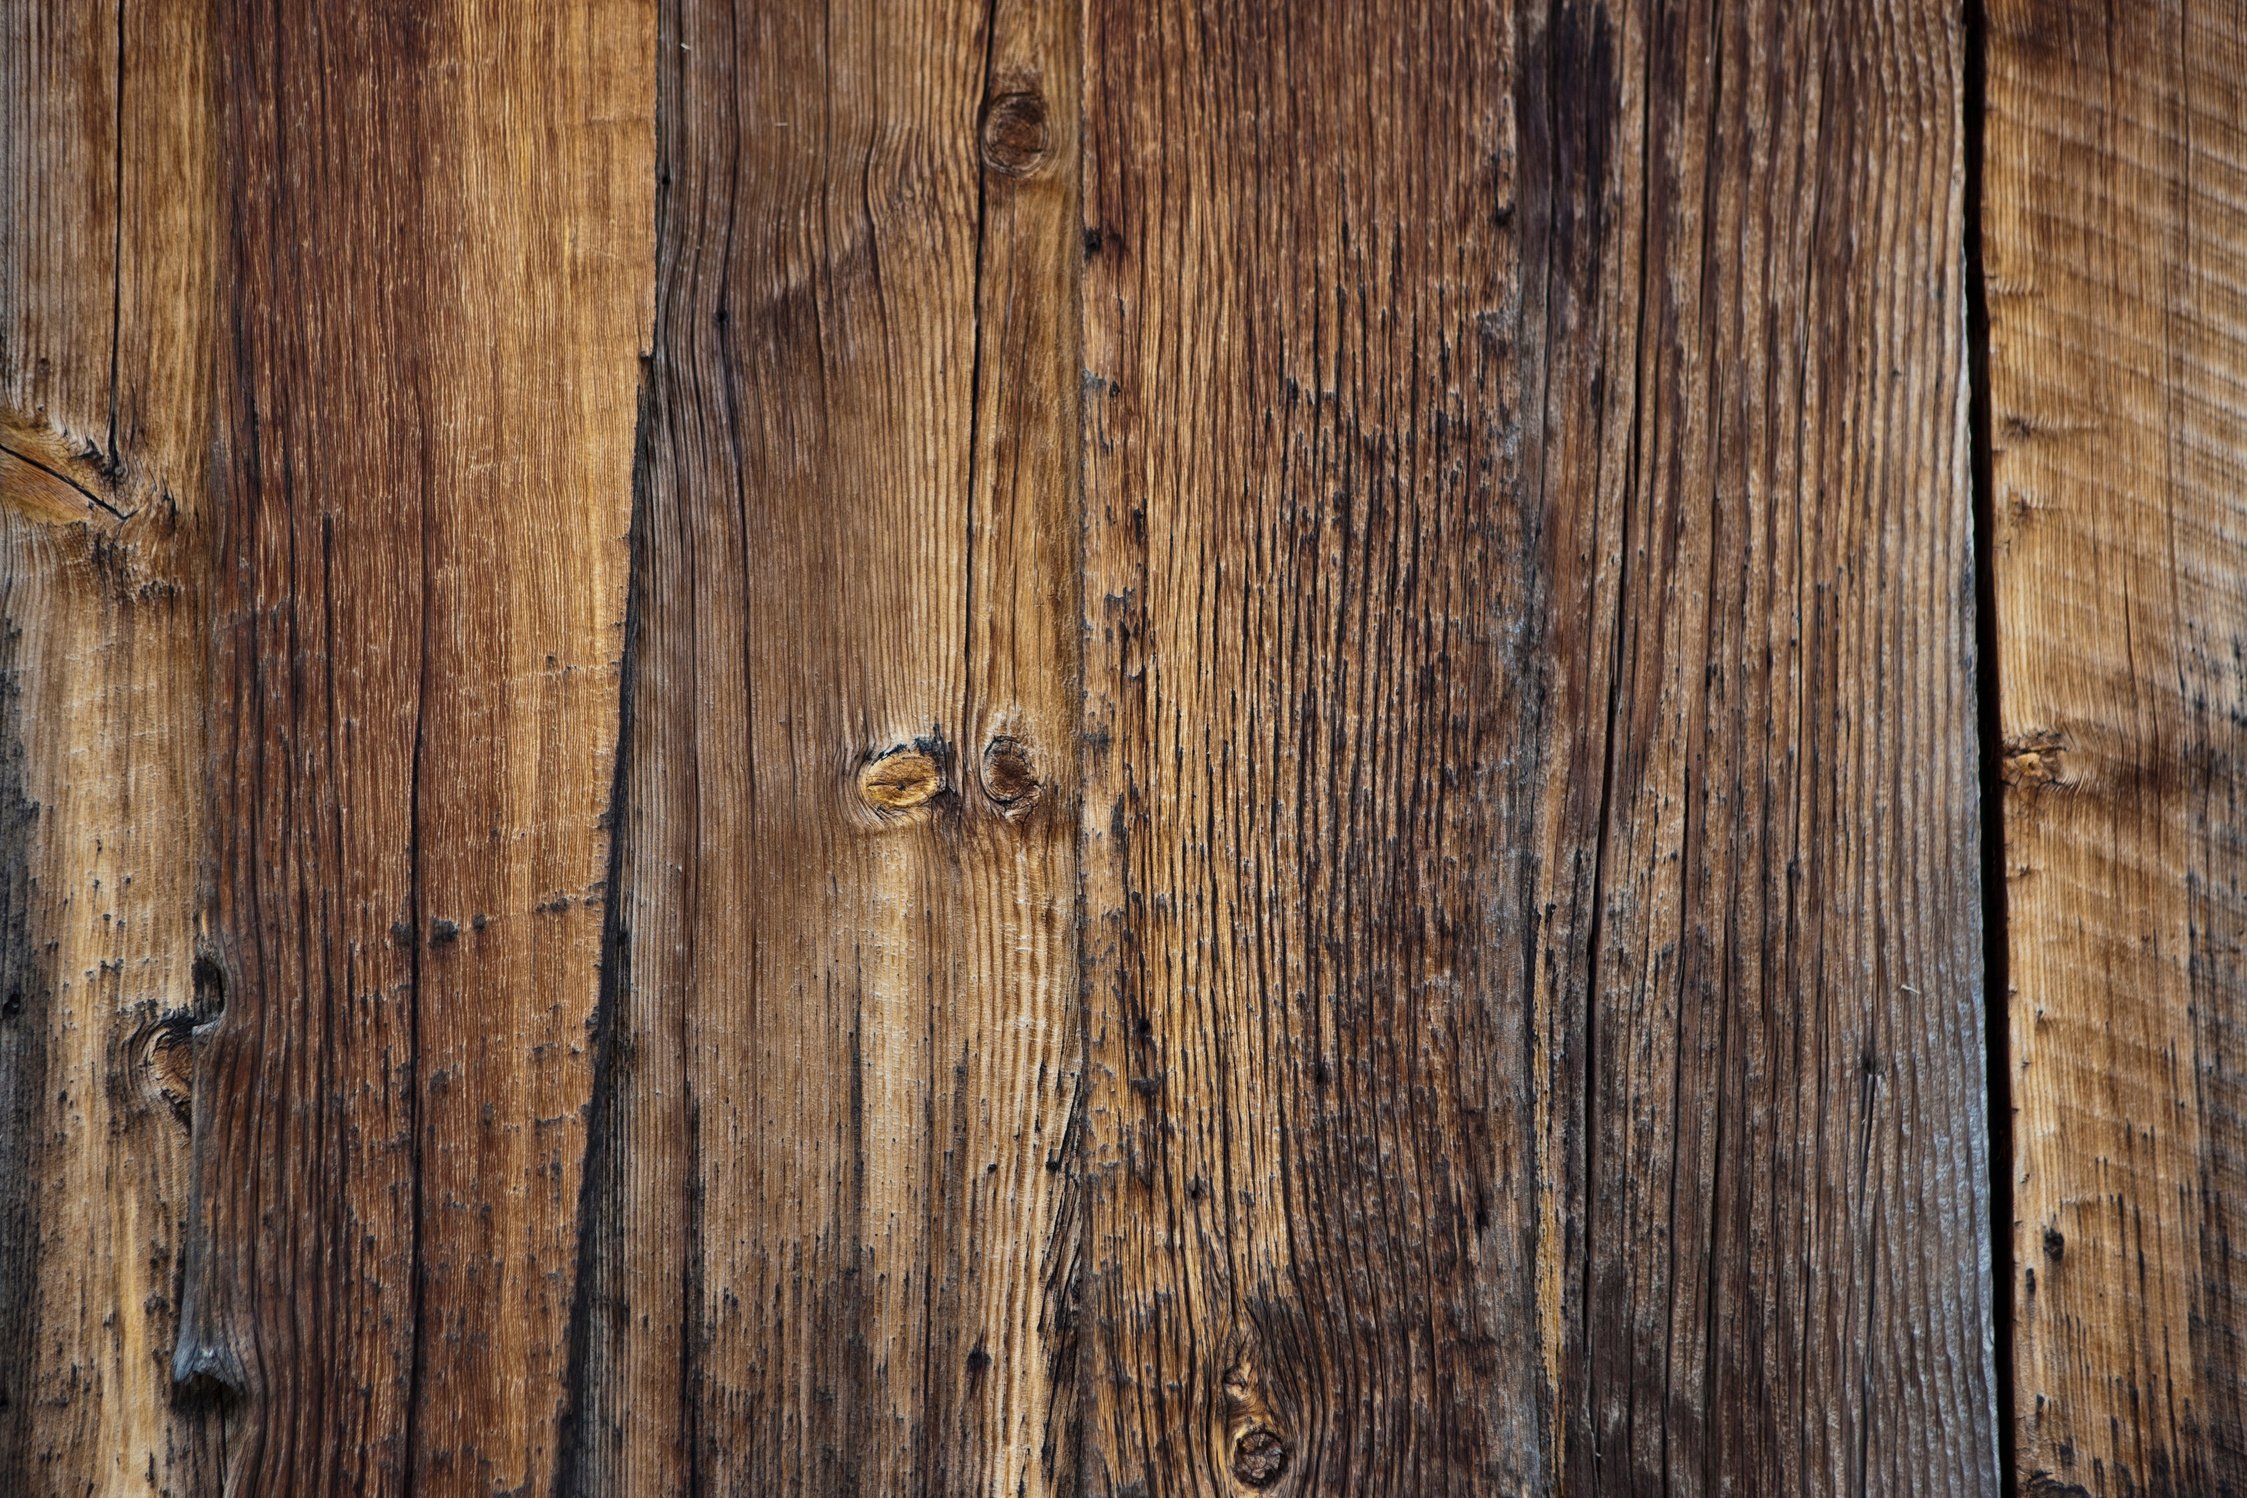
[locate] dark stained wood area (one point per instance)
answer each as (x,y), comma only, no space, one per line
(1756,499)
(1532,918)
(1121,750)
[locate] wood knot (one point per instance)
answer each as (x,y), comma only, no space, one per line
(1010,778)
(900,779)
(1014,133)
(1259,1452)
(1259,1456)
(169,1061)
(2033,760)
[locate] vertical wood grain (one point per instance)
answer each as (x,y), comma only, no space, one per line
(1533,941)
(1785,1201)
(1295,801)
(434,297)
(1318,1236)
(842,1041)
(2115,261)
(106,251)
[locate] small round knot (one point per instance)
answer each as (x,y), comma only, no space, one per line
(900,780)
(1259,1456)
(1014,133)
(1010,779)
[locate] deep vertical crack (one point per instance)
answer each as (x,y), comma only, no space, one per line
(1997,987)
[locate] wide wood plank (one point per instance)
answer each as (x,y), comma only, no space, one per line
(1533,937)
(841,1043)
(434,299)
(1759,379)
(2115,258)
(106,251)
(1316,1246)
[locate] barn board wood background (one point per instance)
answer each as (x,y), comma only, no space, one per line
(1117,749)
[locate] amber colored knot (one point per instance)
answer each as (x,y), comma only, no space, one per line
(900,780)
(1014,133)
(1259,1457)
(2033,759)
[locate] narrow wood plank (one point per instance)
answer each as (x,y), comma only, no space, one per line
(2115,259)
(435,294)
(1533,929)
(106,199)
(842,1044)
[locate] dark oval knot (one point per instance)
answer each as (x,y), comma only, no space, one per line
(1014,133)
(1010,777)
(1259,1456)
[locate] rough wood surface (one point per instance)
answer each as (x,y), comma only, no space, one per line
(842,1044)
(1073,747)
(434,299)
(2115,258)
(1314,1083)
(105,267)
(1759,472)
(1532,931)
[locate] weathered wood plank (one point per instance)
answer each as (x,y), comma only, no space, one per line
(106,197)
(1533,929)
(1318,1223)
(2115,259)
(842,1042)
(434,299)
(1759,349)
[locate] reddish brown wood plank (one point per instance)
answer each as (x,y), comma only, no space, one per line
(434,299)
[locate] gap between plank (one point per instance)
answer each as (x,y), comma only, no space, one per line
(1997,987)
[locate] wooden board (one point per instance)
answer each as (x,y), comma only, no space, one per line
(106,256)
(1532,926)
(2115,258)
(1279,791)
(1317,1220)
(1786,1198)
(842,1042)
(432,304)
